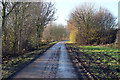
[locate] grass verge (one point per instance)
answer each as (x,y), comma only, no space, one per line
(102,62)
(13,65)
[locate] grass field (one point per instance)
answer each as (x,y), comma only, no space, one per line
(103,62)
(112,53)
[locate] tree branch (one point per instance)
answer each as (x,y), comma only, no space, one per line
(12,9)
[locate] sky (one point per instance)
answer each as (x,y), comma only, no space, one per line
(65,7)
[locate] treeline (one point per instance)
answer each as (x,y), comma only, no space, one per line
(54,32)
(23,24)
(93,26)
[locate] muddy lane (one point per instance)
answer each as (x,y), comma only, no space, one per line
(55,63)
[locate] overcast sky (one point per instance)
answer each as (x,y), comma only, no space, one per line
(64,7)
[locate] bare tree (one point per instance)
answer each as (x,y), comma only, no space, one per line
(90,23)
(24,25)
(44,13)
(54,32)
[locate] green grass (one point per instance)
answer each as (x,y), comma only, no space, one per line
(13,64)
(53,42)
(101,61)
(99,54)
(115,53)
(9,66)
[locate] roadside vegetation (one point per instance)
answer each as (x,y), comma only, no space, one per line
(23,24)
(90,26)
(101,62)
(54,32)
(10,65)
(94,40)
(28,31)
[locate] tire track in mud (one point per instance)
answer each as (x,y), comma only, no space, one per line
(52,65)
(55,63)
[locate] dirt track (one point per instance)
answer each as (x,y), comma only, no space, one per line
(55,63)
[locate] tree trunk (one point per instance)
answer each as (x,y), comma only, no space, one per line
(119,39)
(3,16)
(3,24)
(117,43)
(20,43)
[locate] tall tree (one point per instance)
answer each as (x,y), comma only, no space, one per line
(7,8)
(92,24)
(54,32)
(24,25)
